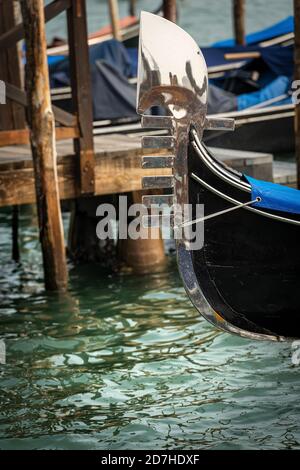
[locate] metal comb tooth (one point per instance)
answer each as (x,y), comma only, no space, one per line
(158,142)
(158,122)
(219,124)
(157,221)
(154,182)
(158,200)
(166,161)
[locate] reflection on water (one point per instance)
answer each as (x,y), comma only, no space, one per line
(126,362)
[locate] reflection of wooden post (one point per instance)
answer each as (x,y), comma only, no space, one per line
(132,7)
(297,77)
(170,10)
(114,18)
(42,136)
(239,21)
(15,234)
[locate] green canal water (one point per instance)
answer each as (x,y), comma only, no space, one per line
(126,362)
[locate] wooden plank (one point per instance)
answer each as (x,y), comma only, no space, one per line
(170,10)
(42,136)
(239,21)
(114,19)
(121,172)
(242,55)
(132,7)
(22,136)
(81,93)
(285,173)
(16,33)
(19,96)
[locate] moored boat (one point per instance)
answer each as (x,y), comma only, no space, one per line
(244,276)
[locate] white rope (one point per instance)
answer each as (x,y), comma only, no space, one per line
(216,214)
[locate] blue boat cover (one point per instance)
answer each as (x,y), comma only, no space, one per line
(278,29)
(112,52)
(278,87)
(274,196)
(54,59)
(280,60)
(111,65)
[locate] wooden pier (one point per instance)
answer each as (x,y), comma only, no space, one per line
(117,169)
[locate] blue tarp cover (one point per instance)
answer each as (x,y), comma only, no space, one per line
(275,196)
(280,60)
(112,52)
(278,29)
(111,65)
(279,86)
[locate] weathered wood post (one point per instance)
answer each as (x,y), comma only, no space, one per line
(12,115)
(239,22)
(170,10)
(297,77)
(81,93)
(114,18)
(132,7)
(42,137)
(82,240)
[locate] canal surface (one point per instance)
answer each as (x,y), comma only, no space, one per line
(126,362)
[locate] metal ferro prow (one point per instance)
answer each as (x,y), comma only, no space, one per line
(172,73)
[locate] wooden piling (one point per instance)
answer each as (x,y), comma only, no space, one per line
(114,18)
(170,10)
(143,255)
(81,94)
(42,136)
(297,77)
(12,116)
(132,7)
(239,22)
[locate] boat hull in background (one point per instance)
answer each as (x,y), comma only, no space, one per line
(268,130)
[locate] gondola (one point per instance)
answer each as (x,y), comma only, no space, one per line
(280,33)
(244,277)
(258,96)
(267,129)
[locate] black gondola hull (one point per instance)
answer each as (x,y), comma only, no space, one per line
(249,266)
